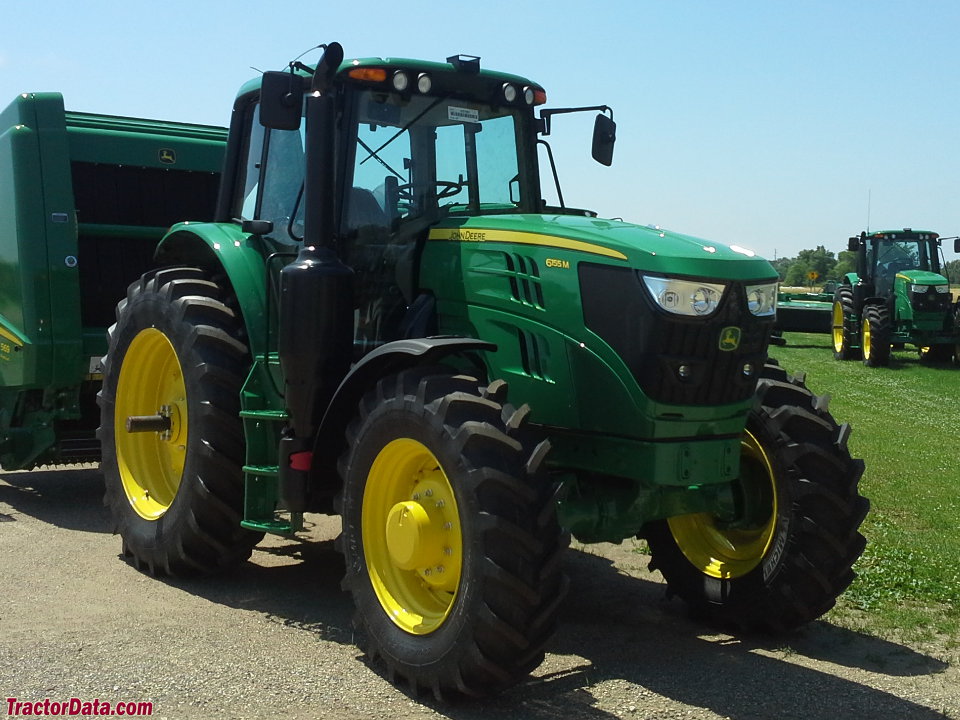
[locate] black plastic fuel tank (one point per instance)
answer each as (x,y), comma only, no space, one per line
(316,333)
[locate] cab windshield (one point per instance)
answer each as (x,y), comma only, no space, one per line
(432,156)
(889,257)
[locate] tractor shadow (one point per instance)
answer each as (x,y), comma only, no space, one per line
(68,498)
(291,581)
(621,627)
(614,627)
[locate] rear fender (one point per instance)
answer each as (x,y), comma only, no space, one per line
(223,248)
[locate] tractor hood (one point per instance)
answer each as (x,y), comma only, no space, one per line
(649,249)
(922,277)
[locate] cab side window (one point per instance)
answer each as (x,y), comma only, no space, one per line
(282,177)
(273,183)
(250,185)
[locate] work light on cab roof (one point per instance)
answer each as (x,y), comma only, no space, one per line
(403,77)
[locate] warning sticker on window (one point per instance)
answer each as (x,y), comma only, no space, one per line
(460,114)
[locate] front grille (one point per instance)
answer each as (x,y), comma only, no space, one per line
(675,359)
(930,301)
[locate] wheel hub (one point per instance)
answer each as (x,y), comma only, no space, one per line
(412,539)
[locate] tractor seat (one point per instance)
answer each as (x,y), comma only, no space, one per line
(364,210)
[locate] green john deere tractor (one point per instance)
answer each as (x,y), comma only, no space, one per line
(898,295)
(340,338)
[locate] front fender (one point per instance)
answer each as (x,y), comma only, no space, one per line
(223,247)
(386,360)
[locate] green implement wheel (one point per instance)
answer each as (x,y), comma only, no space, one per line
(450,536)
(170,432)
(788,554)
(842,333)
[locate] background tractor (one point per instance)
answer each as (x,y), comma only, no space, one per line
(898,295)
(339,337)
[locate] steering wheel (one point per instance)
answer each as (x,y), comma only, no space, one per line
(445,189)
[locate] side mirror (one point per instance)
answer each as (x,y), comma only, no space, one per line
(604,136)
(281,100)
(956,245)
(853,244)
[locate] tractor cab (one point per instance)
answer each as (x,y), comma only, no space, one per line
(904,267)
(414,159)
(407,144)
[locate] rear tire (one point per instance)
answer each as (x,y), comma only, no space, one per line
(875,336)
(844,333)
(176,496)
(450,536)
(790,558)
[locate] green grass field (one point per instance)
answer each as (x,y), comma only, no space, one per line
(906,427)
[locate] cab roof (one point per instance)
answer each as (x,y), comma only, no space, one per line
(466,64)
(902,233)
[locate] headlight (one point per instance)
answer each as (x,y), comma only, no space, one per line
(942,289)
(918,288)
(685,297)
(762,299)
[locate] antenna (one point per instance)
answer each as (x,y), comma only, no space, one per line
(868,210)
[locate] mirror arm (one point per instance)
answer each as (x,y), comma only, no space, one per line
(545,115)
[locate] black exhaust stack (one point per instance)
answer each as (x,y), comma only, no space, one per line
(316,296)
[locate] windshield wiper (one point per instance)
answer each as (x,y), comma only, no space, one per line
(379,159)
(401,131)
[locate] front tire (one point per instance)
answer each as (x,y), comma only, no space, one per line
(450,536)
(790,555)
(875,336)
(175,493)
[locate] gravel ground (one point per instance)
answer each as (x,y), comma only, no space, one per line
(273,639)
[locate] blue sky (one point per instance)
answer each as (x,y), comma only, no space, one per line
(767,124)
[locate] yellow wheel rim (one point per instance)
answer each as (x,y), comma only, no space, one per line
(837,327)
(151,463)
(728,553)
(866,339)
(411,536)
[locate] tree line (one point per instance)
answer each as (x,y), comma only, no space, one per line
(795,271)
